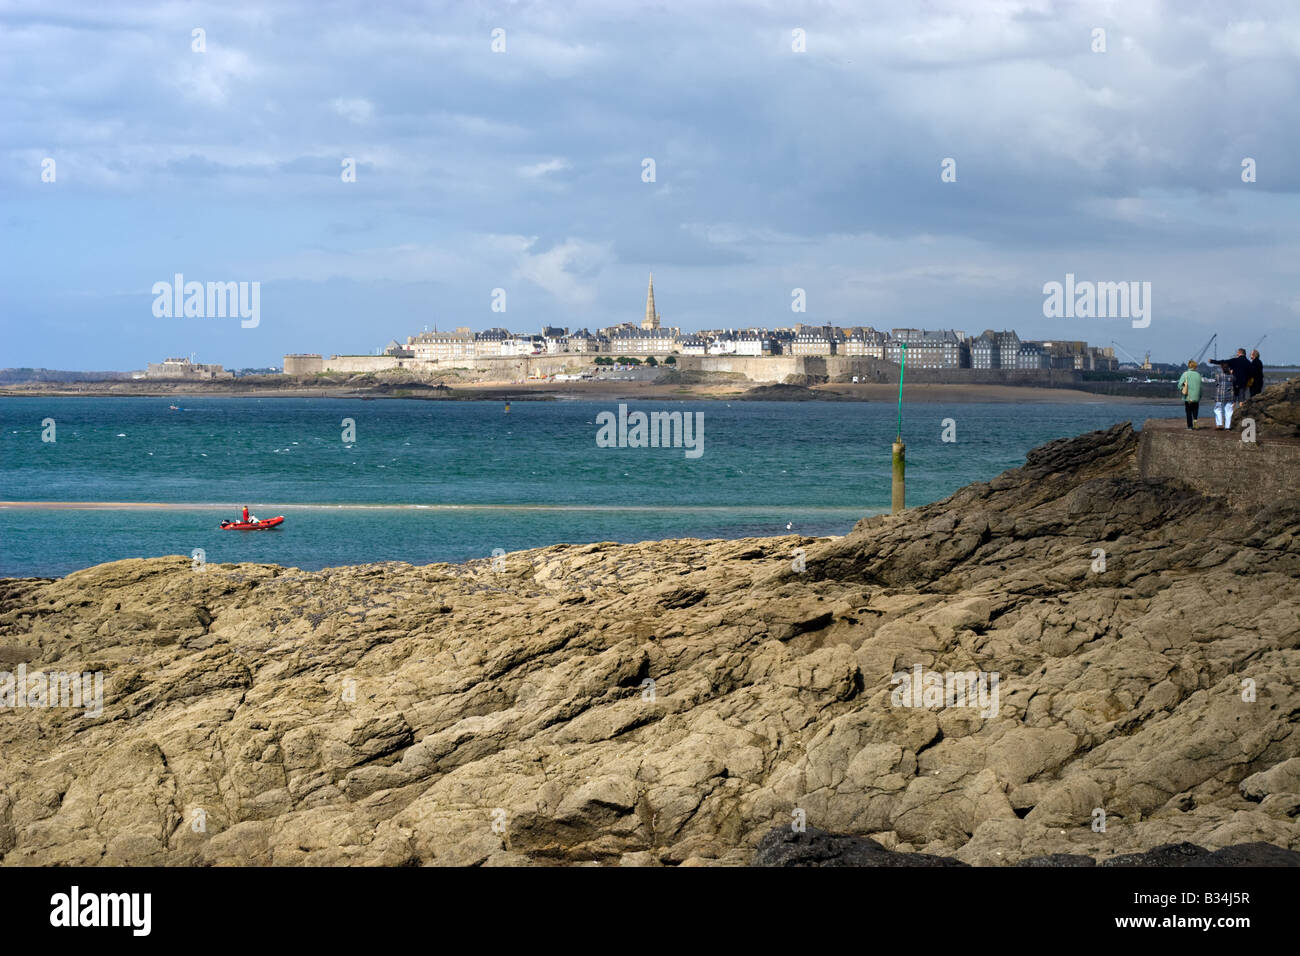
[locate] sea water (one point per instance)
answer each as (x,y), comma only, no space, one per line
(426,481)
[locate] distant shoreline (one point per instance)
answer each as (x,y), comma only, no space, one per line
(593,391)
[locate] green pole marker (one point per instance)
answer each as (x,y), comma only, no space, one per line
(902,370)
(899,488)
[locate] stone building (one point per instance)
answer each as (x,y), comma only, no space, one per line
(984,353)
(925,349)
(813,340)
(184,370)
(633,341)
(865,343)
(491,343)
(440,346)
(695,345)
(1032,355)
(584,342)
(754,342)
(995,350)
(1008,344)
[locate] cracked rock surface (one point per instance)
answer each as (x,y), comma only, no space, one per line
(672,702)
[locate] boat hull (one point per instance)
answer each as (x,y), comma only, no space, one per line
(262,525)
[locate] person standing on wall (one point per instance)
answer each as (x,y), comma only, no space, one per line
(1239,368)
(1225,396)
(1256,374)
(1190,385)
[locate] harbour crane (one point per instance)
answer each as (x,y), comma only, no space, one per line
(1125,351)
(1260,342)
(1146,364)
(1200,355)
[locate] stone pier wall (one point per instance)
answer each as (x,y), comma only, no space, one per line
(1248,474)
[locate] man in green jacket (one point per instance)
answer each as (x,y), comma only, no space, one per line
(1190,386)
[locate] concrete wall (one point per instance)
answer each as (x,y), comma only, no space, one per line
(776,369)
(842,368)
(1056,377)
(477,369)
(768,369)
(366,363)
(1248,474)
(305,364)
(519,367)
(760,370)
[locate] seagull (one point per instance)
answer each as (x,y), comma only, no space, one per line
(789,525)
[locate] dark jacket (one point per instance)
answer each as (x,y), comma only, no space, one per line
(1224,390)
(1256,376)
(1239,366)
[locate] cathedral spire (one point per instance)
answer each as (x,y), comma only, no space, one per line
(651,320)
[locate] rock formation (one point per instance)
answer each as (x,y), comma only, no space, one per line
(811,847)
(673,702)
(1277,410)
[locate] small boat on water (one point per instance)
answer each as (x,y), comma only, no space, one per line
(261,525)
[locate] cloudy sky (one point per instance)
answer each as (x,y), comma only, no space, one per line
(774,169)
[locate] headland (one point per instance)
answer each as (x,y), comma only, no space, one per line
(1134,640)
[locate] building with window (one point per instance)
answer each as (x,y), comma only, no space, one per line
(783,341)
(1032,355)
(584,342)
(865,343)
(1066,354)
(753,342)
(555,340)
(813,340)
(695,345)
(441,346)
(984,352)
(1101,359)
(723,343)
(1008,344)
(926,349)
(634,341)
(492,343)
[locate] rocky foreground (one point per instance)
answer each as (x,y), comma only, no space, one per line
(674,702)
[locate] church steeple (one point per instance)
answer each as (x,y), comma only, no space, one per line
(651,320)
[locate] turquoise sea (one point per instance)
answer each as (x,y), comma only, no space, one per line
(449,481)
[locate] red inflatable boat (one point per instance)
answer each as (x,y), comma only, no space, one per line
(253,525)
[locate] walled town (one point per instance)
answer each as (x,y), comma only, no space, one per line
(655,343)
